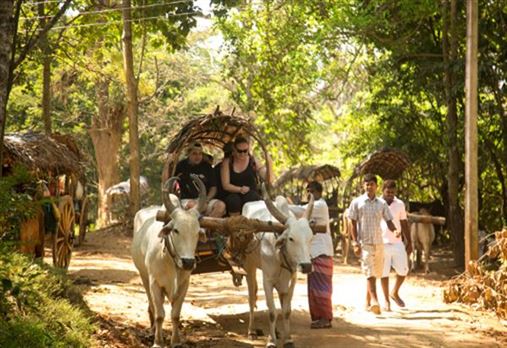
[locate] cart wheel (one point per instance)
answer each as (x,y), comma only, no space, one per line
(62,239)
(83,221)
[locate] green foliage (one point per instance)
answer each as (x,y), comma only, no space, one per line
(33,308)
(276,62)
(16,202)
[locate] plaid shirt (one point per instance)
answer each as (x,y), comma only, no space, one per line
(369,213)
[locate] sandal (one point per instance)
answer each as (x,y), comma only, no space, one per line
(398,301)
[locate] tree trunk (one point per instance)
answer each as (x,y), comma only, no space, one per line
(106,133)
(449,50)
(46,73)
(501,165)
(6,41)
(128,63)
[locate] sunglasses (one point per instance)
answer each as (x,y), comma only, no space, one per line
(242,151)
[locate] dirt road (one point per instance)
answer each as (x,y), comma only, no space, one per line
(215,313)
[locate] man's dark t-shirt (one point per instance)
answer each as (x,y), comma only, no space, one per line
(188,189)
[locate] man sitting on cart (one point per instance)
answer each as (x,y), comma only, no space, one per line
(195,164)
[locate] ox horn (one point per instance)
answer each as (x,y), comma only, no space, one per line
(201,203)
(309,208)
(272,208)
(166,191)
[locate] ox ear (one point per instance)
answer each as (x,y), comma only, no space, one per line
(203,238)
(166,229)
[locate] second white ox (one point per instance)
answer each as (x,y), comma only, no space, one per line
(422,235)
(164,255)
(279,257)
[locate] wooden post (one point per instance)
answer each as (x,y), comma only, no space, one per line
(471,173)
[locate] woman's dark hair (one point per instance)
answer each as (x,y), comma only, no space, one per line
(240,140)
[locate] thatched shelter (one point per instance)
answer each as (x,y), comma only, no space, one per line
(42,154)
(214,130)
(386,163)
(319,173)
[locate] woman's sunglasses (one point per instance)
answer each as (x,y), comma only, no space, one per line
(242,151)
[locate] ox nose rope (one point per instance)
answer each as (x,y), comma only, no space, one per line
(169,247)
(285,262)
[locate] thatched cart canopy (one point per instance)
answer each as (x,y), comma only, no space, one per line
(215,129)
(386,163)
(319,173)
(42,154)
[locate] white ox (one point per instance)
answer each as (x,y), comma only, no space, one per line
(422,235)
(279,257)
(164,255)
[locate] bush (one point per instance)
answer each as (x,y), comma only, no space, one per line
(34,310)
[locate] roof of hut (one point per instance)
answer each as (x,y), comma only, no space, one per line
(387,163)
(38,152)
(308,173)
(215,129)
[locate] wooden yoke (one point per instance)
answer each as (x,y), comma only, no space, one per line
(426,219)
(233,224)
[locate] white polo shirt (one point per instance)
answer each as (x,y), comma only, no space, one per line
(399,213)
(322,243)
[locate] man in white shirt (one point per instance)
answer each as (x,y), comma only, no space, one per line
(320,280)
(395,253)
(366,212)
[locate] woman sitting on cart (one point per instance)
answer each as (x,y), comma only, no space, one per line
(239,174)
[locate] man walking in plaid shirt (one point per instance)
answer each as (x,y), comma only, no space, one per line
(366,213)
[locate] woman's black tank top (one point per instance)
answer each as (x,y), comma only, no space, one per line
(248,177)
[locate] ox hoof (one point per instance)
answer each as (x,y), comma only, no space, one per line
(289,345)
(270,345)
(252,336)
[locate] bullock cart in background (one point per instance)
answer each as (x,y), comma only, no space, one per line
(388,164)
(213,132)
(292,184)
(55,163)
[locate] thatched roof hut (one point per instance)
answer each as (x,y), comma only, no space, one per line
(386,163)
(42,154)
(319,173)
(215,130)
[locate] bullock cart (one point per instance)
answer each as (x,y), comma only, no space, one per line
(213,132)
(55,163)
(293,182)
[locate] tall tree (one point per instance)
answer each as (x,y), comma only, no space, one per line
(46,72)
(449,53)
(13,53)
(132,108)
